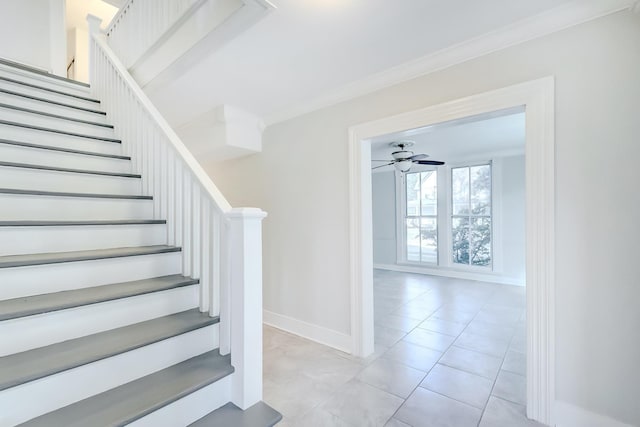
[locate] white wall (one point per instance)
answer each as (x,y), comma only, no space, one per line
(32,32)
(512,205)
(306,245)
(78,50)
(383,186)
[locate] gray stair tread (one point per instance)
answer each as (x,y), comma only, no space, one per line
(129,402)
(39,304)
(59,92)
(59,257)
(54,116)
(49,101)
(40,72)
(259,415)
(68,170)
(60,131)
(62,149)
(65,194)
(31,365)
(36,223)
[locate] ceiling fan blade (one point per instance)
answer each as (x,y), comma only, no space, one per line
(419,156)
(381,166)
(428,162)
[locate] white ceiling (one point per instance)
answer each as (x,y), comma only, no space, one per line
(473,139)
(305,48)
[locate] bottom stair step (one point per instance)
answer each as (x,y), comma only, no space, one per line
(259,415)
(129,402)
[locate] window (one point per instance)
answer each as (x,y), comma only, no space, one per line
(421,216)
(471,215)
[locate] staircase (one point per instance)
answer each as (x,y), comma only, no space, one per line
(100,323)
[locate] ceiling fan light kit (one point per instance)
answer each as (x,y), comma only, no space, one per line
(403,159)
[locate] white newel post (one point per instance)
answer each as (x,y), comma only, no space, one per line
(94,28)
(246,304)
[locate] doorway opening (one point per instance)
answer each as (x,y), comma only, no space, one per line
(536,100)
(449,268)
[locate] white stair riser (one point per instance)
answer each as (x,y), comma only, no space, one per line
(47,394)
(190,408)
(19,154)
(17,116)
(38,331)
(42,279)
(44,180)
(34,207)
(28,90)
(32,104)
(52,139)
(34,240)
(44,81)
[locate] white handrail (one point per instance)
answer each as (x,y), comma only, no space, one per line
(221,246)
(118,16)
(140,24)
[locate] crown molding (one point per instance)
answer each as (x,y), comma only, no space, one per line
(548,22)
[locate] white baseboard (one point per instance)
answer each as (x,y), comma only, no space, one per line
(503,280)
(568,415)
(309,331)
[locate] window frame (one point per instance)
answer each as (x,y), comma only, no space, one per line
(419,216)
(401,215)
(491,216)
(444,217)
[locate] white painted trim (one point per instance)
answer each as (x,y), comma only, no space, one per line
(57,37)
(538,98)
(456,274)
(568,415)
(551,21)
(119,14)
(309,331)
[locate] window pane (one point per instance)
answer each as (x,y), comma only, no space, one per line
(460,190)
(481,241)
(413,194)
(429,192)
(481,190)
(413,239)
(460,240)
(429,240)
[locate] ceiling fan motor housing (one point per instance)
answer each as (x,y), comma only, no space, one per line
(402,154)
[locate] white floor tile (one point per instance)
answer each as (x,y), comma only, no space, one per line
(511,387)
(515,362)
(392,377)
(360,404)
(430,339)
(425,408)
(471,361)
(468,388)
(413,355)
(500,413)
(443,326)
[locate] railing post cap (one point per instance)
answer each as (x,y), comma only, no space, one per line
(94,23)
(246,213)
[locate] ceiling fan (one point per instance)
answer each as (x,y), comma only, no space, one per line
(403,159)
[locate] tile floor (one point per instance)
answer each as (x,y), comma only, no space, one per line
(449,353)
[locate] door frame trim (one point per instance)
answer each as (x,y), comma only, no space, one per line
(537,98)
